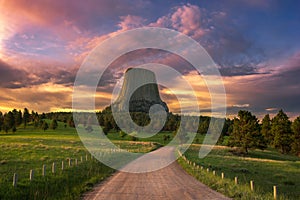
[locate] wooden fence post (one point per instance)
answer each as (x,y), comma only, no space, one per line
(81,159)
(207,169)
(275,192)
(70,162)
(236,180)
(31,174)
(214,172)
(53,167)
(222,175)
(62,165)
(76,162)
(251,185)
(15,179)
(44,170)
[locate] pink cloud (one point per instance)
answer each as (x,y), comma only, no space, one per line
(60,20)
(185,19)
(130,22)
(85,44)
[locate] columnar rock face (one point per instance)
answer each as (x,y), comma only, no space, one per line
(139,92)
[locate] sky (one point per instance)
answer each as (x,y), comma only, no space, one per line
(255,44)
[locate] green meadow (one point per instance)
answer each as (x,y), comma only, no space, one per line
(30,149)
(266,169)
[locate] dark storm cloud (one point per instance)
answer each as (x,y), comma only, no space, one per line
(55,75)
(228,45)
(11,77)
(238,70)
(282,90)
(279,89)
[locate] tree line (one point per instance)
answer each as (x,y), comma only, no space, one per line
(246,132)
(14,119)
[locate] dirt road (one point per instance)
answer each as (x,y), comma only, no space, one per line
(171,182)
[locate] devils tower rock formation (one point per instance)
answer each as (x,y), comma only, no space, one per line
(139,92)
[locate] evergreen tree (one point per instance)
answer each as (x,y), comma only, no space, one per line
(246,133)
(14,129)
(45,126)
(203,125)
(53,124)
(266,129)
(296,136)
(1,121)
(36,120)
(71,122)
(281,129)
(26,117)
(10,119)
(19,118)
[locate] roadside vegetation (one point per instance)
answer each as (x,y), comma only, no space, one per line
(266,169)
(30,147)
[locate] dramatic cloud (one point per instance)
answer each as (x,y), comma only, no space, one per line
(267,92)
(130,22)
(10,77)
(42,98)
(185,19)
(43,43)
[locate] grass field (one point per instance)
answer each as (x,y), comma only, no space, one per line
(32,148)
(266,168)
(158,138)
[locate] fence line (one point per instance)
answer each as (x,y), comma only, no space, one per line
(195,167)
(53,169)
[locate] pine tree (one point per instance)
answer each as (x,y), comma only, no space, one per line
(26,117)
(53,124)
(281,129)
(246,133)
(45,126)
(266,129)
(71,122)
(1,121)
(296,136)
(19,118)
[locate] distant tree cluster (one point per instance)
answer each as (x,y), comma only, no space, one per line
(107,121)
(246,132)
(12,120)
